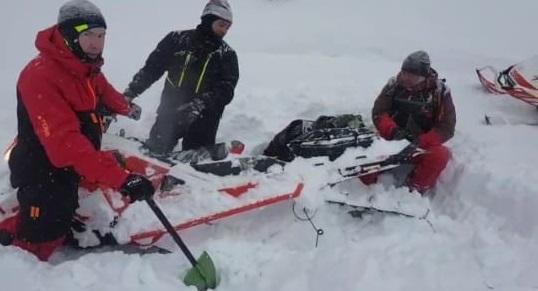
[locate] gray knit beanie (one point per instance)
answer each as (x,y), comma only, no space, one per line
(417,63)
(219,8)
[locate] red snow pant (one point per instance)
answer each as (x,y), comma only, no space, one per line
(42,250)
(44,218)
(428,168)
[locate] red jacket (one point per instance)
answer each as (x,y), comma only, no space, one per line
(53,87)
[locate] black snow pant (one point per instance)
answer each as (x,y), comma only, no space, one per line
(46,210)
(167,130)
(47,196)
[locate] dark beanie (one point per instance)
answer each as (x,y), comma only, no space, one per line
(75,17)
(417,63)
(207,21)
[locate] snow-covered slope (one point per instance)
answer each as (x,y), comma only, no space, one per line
(299,59)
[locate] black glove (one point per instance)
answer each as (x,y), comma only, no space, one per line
(135,112)
(129,95)
(207,99)
(137,188)
(190,112)
(400,134)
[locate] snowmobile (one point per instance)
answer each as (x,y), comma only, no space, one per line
(519,80)
(201,186)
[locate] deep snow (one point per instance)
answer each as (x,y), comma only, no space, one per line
(300,59)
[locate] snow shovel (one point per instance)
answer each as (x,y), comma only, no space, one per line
(203,274)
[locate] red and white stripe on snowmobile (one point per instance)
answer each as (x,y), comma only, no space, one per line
(156,174)
(151,237)
(488,81)
(523,90)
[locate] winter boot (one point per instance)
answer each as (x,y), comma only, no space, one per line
(8,228)
(6,237)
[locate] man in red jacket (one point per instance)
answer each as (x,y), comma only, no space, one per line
(59,95)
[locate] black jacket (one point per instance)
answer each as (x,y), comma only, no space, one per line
(198,64)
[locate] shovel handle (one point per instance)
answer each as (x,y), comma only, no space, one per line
(170,229)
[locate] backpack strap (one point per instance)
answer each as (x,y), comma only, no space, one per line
(438,99)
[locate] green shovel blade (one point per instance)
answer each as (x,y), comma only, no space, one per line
(203,275)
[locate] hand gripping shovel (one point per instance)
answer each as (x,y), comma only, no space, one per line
(202,274)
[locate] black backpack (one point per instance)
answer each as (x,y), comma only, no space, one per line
(330,136)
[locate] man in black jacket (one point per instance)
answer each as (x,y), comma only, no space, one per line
(202,73)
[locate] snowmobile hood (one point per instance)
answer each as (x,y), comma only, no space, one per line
(50,43)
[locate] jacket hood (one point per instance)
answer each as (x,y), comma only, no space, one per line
(50,43)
